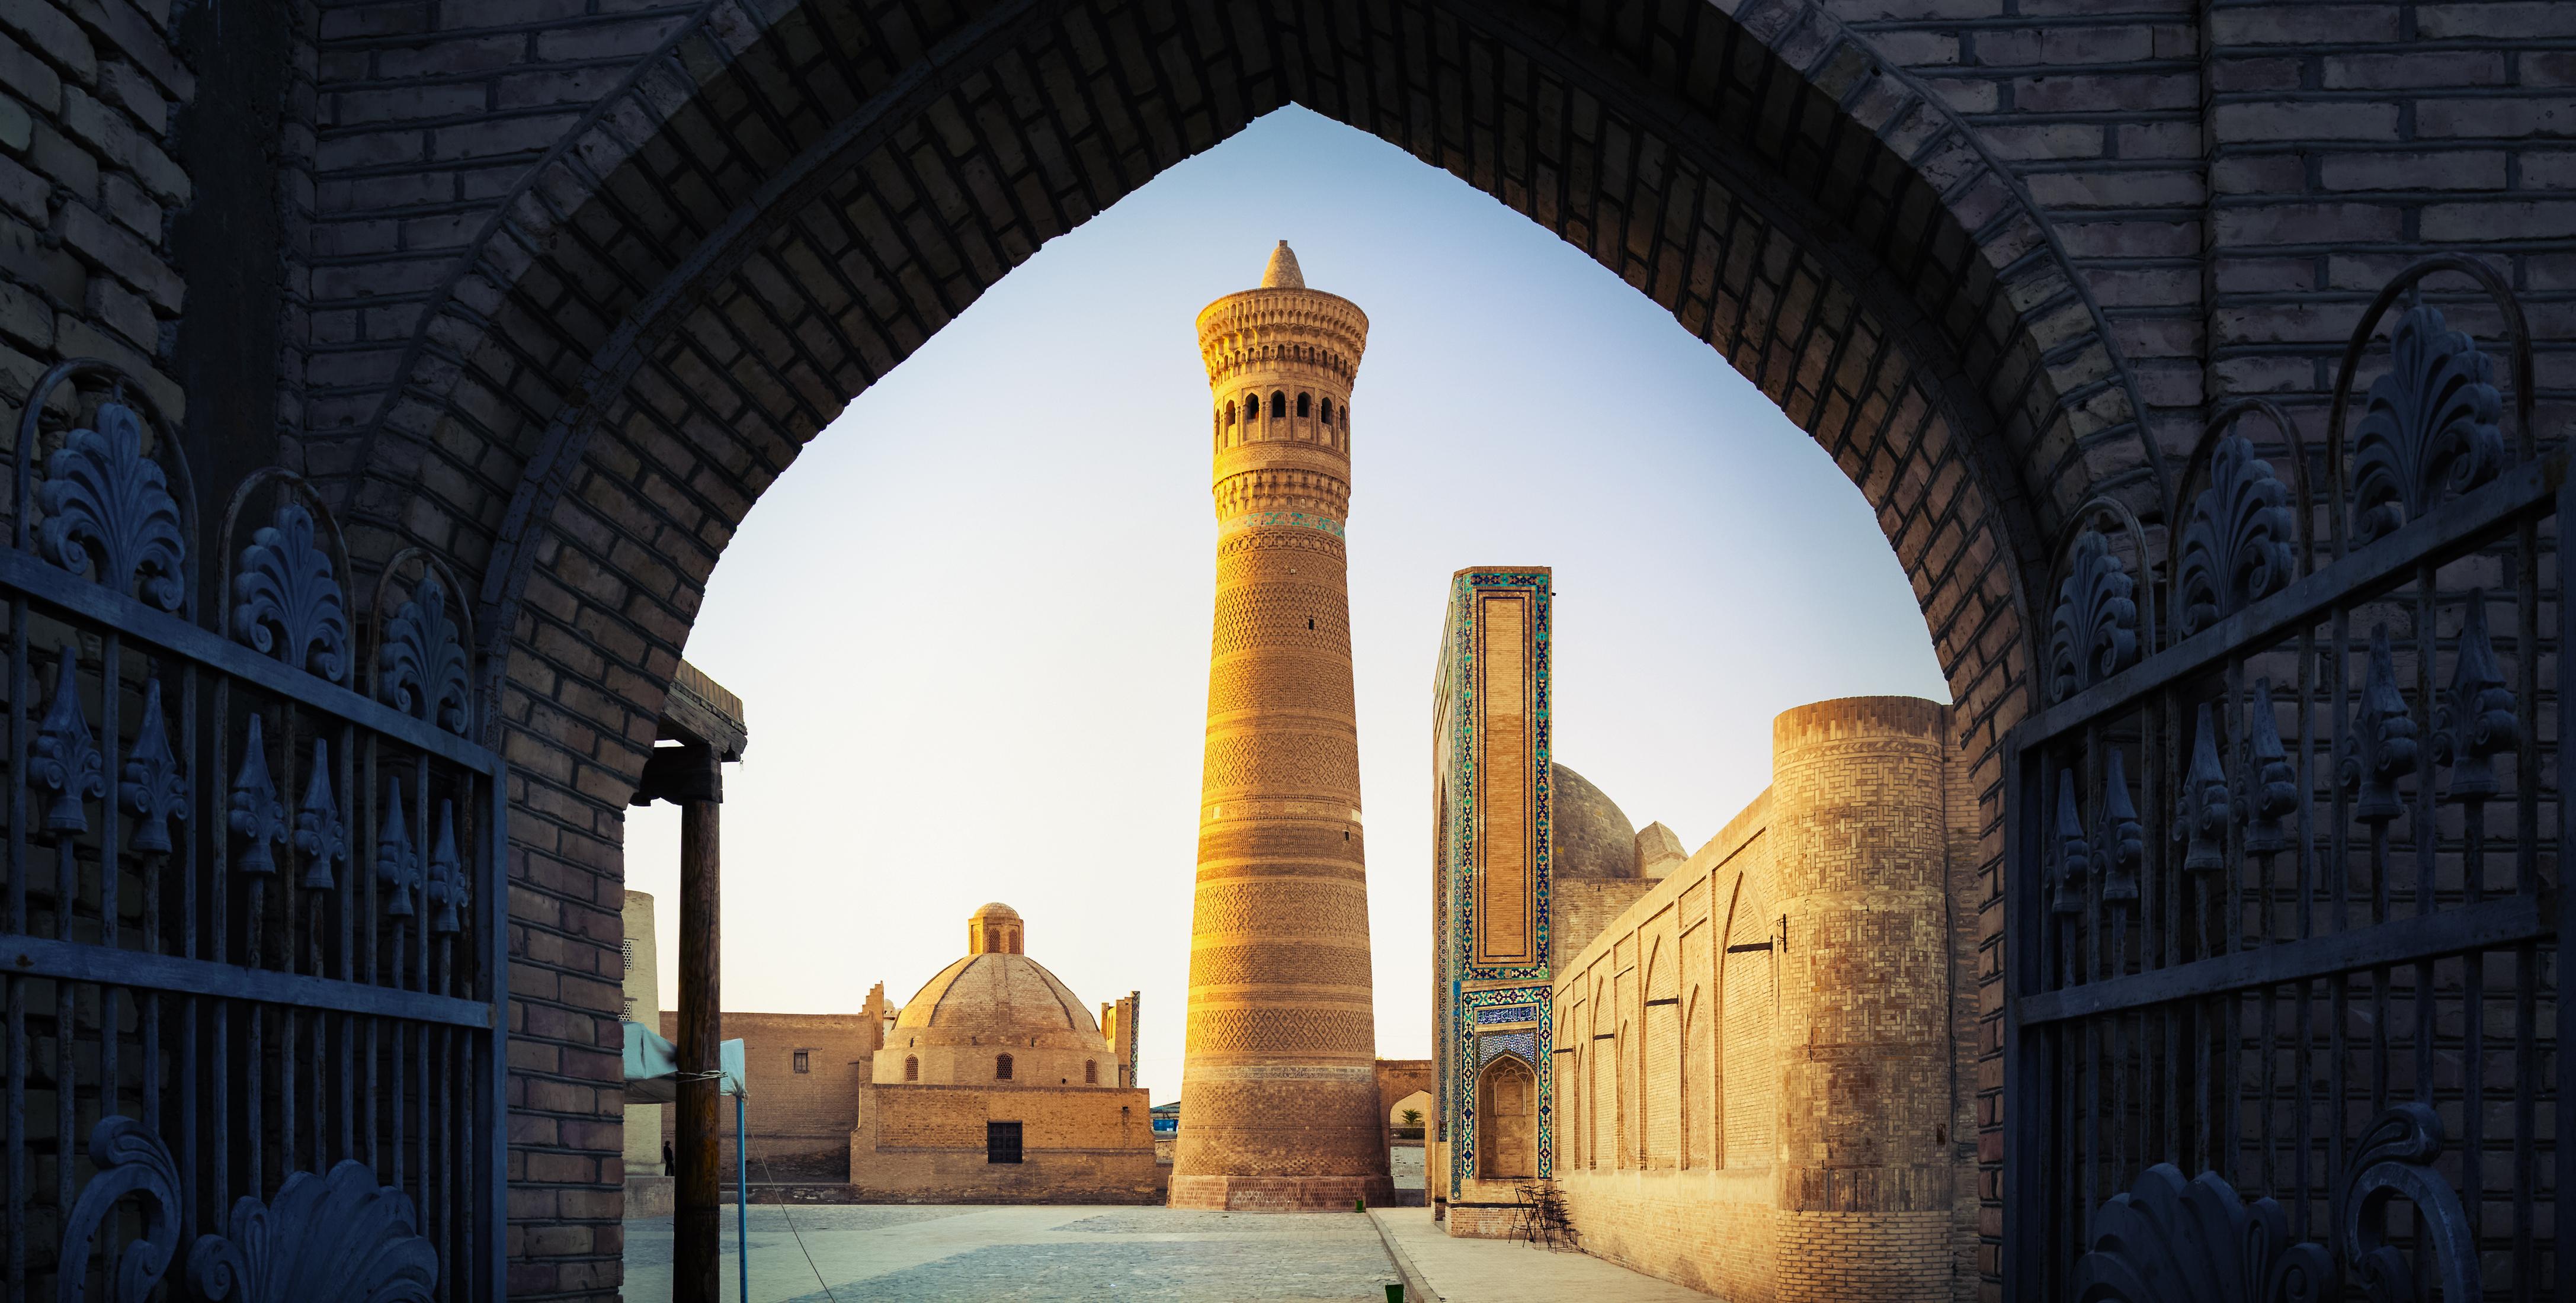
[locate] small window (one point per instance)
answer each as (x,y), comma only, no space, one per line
(1305,406)
(1002,1072)
(1229,413)
(1278,403)
(803,1064)
(1091,1072)
(1001,1142)
(911,1068)
(1325,406)
(1252,407)
(626,953)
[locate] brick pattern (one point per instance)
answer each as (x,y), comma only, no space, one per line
(1814,1120)
(88,185)
(800,1122)
(926,1144)
(562,301)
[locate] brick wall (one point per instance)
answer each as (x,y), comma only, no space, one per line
(87,188)
(798,1122)
(927,1144)
(1800,1147)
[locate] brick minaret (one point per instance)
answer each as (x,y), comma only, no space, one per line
(1279,1102)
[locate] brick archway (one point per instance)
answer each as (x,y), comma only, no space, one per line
(783,200)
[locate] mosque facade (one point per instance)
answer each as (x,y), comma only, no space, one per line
(1740,1068)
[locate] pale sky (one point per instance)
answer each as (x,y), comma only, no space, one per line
(970,625)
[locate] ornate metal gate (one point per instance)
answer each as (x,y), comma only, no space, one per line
(2283,872)
(251,952)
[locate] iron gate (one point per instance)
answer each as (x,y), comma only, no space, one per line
(2283,1017)
(251,951)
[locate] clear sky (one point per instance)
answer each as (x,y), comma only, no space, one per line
(970,625)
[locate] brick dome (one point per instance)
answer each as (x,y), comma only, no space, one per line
(1589,835)
(994,1005)
(996,994)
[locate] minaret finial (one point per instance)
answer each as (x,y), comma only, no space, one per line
(1282,273)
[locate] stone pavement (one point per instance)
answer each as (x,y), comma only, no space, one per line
(954,1254)
(1438,1269)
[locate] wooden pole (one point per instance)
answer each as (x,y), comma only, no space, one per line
(698,1189)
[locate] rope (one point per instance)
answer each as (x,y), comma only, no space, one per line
(791,1229)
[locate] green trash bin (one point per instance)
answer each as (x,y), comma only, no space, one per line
(1395,1294)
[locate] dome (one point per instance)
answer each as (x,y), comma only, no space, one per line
(995,1017)
(1589,836)
(996,995)
(1282,273)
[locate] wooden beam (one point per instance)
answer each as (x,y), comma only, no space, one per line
(701,712)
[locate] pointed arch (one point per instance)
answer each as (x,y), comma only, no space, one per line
(1507,1119)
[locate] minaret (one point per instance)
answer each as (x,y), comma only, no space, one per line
(1279,1101)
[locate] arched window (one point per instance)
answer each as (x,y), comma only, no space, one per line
(1305,406)
(1326,409)
(1229,412)
(911,1068)
(1252,407)
(1002,1067)
(1278,403)
(1091,1072)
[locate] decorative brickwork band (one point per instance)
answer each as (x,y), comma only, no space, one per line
(1279,1091)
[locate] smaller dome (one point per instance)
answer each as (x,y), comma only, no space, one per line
(1282,273)
(1589,834)
(995,928)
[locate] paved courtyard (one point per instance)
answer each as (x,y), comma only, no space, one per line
(971,1254)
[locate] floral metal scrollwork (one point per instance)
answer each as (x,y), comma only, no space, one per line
(397,856)
(65,759)
(2093,633)
(2429,426)
(257,815)
(2381,749)
(2275,794)
(2237,545)
(2074,853)
(2476,721)
(423,660)
(2128,840)
(2204,802)
(109,512)
(446,876)
(152,788)
(2169,1240)
(286,600)
(319,831)
(2395,1159)
(340,1238)
(130,1161)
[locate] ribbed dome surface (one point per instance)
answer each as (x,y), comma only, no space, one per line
(996,994)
